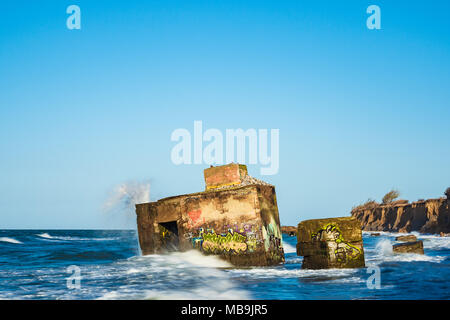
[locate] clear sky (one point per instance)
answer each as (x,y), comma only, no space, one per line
(81,111)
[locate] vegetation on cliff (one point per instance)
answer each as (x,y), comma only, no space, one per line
(426,216)
(391,196)
(369,204)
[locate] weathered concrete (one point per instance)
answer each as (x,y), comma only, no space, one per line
(330,243)
(410,238)
(227,175)
(240,224)
(409,247)
(426,216)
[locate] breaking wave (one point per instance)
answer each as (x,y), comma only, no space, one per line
(10,240)
(45,235)
(267,273)
(186,275)
(435,242)
(48,236)
(383,253)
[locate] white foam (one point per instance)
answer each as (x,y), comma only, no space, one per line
(45,235)
(288,248)
(388,233)
(435,242)
(267,273)
(383,253)
(133,270)
(48,236)
(217,293)
(293,260)
(178,275)
(196,258)
(10,240)
(409,257)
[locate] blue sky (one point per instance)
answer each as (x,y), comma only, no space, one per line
(359,111)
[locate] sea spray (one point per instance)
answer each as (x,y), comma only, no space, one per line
(384,248)
(122,201)
(126,195)
(384,253)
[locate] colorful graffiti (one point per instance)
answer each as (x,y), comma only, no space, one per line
(237,239)
(252,242)
(338,249)
(234,242)
(163,233)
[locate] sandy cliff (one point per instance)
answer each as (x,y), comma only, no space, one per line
(427,216)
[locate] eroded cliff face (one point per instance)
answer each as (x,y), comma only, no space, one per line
(428,216)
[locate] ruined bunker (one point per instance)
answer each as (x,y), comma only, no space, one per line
(330,243)
(236,218)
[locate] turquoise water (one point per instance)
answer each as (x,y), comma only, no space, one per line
(34,264)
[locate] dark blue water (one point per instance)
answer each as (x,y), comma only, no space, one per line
(36,264)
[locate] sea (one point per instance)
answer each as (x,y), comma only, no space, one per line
(107,264)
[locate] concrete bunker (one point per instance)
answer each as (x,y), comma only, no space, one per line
(330,243)
(236,218)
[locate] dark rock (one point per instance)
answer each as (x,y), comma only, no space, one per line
(409,247)
(409,238)
(375,234)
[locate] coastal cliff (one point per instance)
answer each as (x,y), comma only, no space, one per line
(426,216)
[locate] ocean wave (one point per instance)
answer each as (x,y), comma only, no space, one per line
(45,235)
(383,253)
(48,236)
(109,272)
(179,275)
(434,242)
(268,273)
(388,233)
(10,240)
(222,293)
(288,248)
(409,257)
(295,260)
